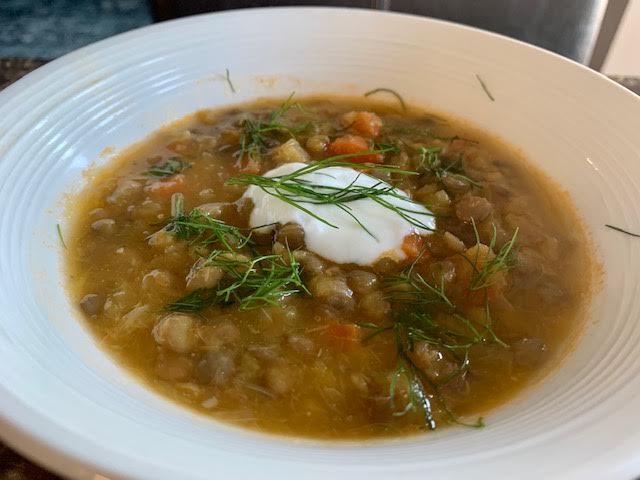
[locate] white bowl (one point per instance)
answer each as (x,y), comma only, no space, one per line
(65,404)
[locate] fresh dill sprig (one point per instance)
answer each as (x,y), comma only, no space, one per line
(195,301)
(422,390)
(256,135)
(488,321)
(392,92)
(60,237)
(430,161)
(618,229)
(387,147)
(197,227)
(248,282)
(485,88)
(417,398)
(485,276)
(409,287)
(170,167)
(298,192)
(227,77)
(423,312)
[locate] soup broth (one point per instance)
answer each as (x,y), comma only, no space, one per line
(259,325)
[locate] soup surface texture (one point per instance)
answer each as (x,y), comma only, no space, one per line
(328,267)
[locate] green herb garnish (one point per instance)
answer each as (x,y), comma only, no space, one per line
(256,136)
(197,227)
(420,327)
(392,92)
(417,398)
(228,79)
(618,229)
(298,192)
(484,87)
(170,167)
(430,161)
(248,282)
(418,309)
(484,277)
(409,287)
(60,237)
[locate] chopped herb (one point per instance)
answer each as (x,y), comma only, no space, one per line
(484,277)
(431,161)
(417,316)
(59,230)
(410,287)
(387,147)
(228,79)
(197,227)
(170,167)
(256,136)
(194,301)
(298,192)
(484,87)
(248,282)
(618,229)
(417,398)
(392,92)
(421,390)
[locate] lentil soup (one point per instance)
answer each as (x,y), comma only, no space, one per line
(329,267)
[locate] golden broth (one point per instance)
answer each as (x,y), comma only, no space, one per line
(329,364)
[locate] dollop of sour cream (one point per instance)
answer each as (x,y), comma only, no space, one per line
(349,242)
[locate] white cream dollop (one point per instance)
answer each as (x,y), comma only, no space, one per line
(349,242)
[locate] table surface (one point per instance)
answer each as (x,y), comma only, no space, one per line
(12,465)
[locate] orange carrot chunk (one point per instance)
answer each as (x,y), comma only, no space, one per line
(350,144)
(365,123)
(342,336)
(413,245)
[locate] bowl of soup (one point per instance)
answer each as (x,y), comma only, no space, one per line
(319,242)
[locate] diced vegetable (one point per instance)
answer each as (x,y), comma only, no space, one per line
(177,331)
(350,144)
(342,336)
(413,245)
(290,152)
(254,326)
(367,124)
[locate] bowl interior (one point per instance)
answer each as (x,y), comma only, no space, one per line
(64,400)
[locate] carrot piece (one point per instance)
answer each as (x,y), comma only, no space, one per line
(413,245)
(166,188)
(342,336)
(367,124)
(350,144)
